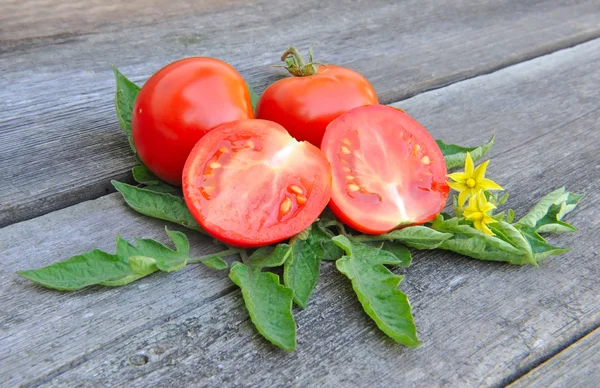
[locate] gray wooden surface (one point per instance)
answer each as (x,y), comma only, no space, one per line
(576,366)
(483,324)
(59,139)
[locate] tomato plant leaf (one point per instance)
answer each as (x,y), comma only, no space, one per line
(163,206)
(253,96)
(269,304)
(130,263)
(455,155)
(540,247)
(165,259)
(80,271)
(546,216)
(402,254)
(420,237)
(302,268)
(269,256)
(125,96)
(377,289)
(215,262)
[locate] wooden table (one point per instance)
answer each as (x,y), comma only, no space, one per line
(529,73)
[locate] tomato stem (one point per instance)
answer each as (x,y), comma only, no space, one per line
(294,62)
(229,252)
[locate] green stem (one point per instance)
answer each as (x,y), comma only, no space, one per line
(295,63)
(228,252)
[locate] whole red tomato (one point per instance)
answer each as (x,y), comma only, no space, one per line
(316,95)
(178,105)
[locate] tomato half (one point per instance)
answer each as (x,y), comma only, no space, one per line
(249,183)
(178,105)
(387,170)
(305,105)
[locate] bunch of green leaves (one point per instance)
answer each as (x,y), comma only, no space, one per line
(363,259)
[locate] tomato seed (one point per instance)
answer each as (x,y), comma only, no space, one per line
(346,169)
(345,150)
(214,165)
(353,187)
(350,177)
(425,160)
(286,206)
(296,189)
(223,150)
(300,199)
(251,144)
(347,141)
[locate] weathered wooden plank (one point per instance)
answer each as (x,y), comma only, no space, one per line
(60,142)
(482,323)
(576,366)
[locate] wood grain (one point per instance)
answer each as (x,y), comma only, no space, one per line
(60,142)
(576,366)
(482,323)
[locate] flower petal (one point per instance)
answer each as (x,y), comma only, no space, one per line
(462,197)
(478,225)
(486,207)
(486,230)
(479,173)
(488,184)
(458,186)
(469,165)
(458,176)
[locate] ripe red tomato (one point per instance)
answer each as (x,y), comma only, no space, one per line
(249,183)
(178,105)
(306,103)
(387,170)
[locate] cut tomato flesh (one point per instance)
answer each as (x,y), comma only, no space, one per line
(249,183)
(387,170)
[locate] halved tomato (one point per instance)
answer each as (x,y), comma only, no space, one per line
(387,170)
(249,183)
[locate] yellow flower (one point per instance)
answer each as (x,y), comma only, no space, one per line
(478,211)
(472,181)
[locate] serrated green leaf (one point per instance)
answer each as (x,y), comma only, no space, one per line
(269,304)
(511,216)
(253,97)
(143,175)
(511,235)
(125,96)
(377,289)
(546,215)
(269,256)
(455,155)
(163,206)
(182,245)
(80,271)
(215,262)
(301,270)
(399,251)
(420,237)
(167,260)
(142,265)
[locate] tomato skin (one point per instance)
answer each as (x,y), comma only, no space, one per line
(387,170)
(178,105)
(306,105)
(248,183)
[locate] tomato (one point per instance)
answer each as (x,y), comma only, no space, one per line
(249,183)
(178,105)
(387,170)
(306,103)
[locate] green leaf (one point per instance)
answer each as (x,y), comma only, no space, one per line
(511,216)
(377,289)
(143,175)
(511,235)
(125,96)
(182,245)
(420,237)
(253,96)
(142,265)
(163,206)
(80,271)
(268,303)
(269,256)
(215,262)
(541,249)
(301,269)
(399,251)
(166,259)
(546,215)
(455,155)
